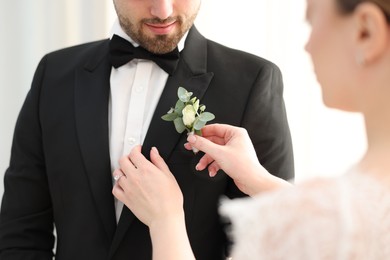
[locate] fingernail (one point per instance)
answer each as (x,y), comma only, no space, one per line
(154,149)
(197,167)
(191,138)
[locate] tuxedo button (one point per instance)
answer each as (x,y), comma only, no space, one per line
(139,89)
(131,140)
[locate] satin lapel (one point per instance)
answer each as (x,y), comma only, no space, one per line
(91,106)
(190,74)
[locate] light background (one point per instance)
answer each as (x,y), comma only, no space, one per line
(326,141)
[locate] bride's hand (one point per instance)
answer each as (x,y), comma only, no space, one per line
(229,148)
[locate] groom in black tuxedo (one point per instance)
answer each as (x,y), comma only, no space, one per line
(90,104)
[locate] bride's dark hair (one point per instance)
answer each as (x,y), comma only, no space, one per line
(348,6)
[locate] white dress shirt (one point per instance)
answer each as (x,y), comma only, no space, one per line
(135,89)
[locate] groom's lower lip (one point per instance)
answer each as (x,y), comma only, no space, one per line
(161,29)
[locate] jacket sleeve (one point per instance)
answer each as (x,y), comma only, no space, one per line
(26,217)
(266,122)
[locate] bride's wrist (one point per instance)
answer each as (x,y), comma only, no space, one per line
(166,221)
(264,181)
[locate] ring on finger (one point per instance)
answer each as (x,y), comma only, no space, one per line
(117,177)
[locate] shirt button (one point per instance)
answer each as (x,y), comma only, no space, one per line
(131,140)
(139,89)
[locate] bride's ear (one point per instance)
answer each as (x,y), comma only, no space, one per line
(372,32)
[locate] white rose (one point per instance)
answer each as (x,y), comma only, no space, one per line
(188,115)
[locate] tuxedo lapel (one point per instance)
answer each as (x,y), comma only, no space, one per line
(91,113)
(191,74)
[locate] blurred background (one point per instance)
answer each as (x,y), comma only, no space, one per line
(326,141)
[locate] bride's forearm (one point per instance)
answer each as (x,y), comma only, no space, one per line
(268,183)
(170,240)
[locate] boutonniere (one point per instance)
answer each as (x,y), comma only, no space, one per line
(188,114)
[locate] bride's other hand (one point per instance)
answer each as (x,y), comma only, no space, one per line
(151,192)
(148,188)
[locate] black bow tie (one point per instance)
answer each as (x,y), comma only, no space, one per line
(122,51)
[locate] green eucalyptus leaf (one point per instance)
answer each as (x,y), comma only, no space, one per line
(206,116)
(202,108)
(169,116)
(180,127)
(198,124)
(183,94)
(179,107)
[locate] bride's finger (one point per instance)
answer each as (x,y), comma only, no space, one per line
(118,191)
(188,146)
(203,144)
(137,158)
(213,138)
(126,165)
(204,162)
(213,169)
(157,160)
(220,130)
(117,174)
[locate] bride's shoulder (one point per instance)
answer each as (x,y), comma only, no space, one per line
(312,196)
(306,192)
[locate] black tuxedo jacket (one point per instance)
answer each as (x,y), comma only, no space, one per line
(59,174)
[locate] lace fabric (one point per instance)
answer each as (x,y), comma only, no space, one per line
(340,218)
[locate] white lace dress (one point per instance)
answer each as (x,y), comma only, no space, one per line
(340,218)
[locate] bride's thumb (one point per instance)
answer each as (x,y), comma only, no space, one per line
(203,145)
